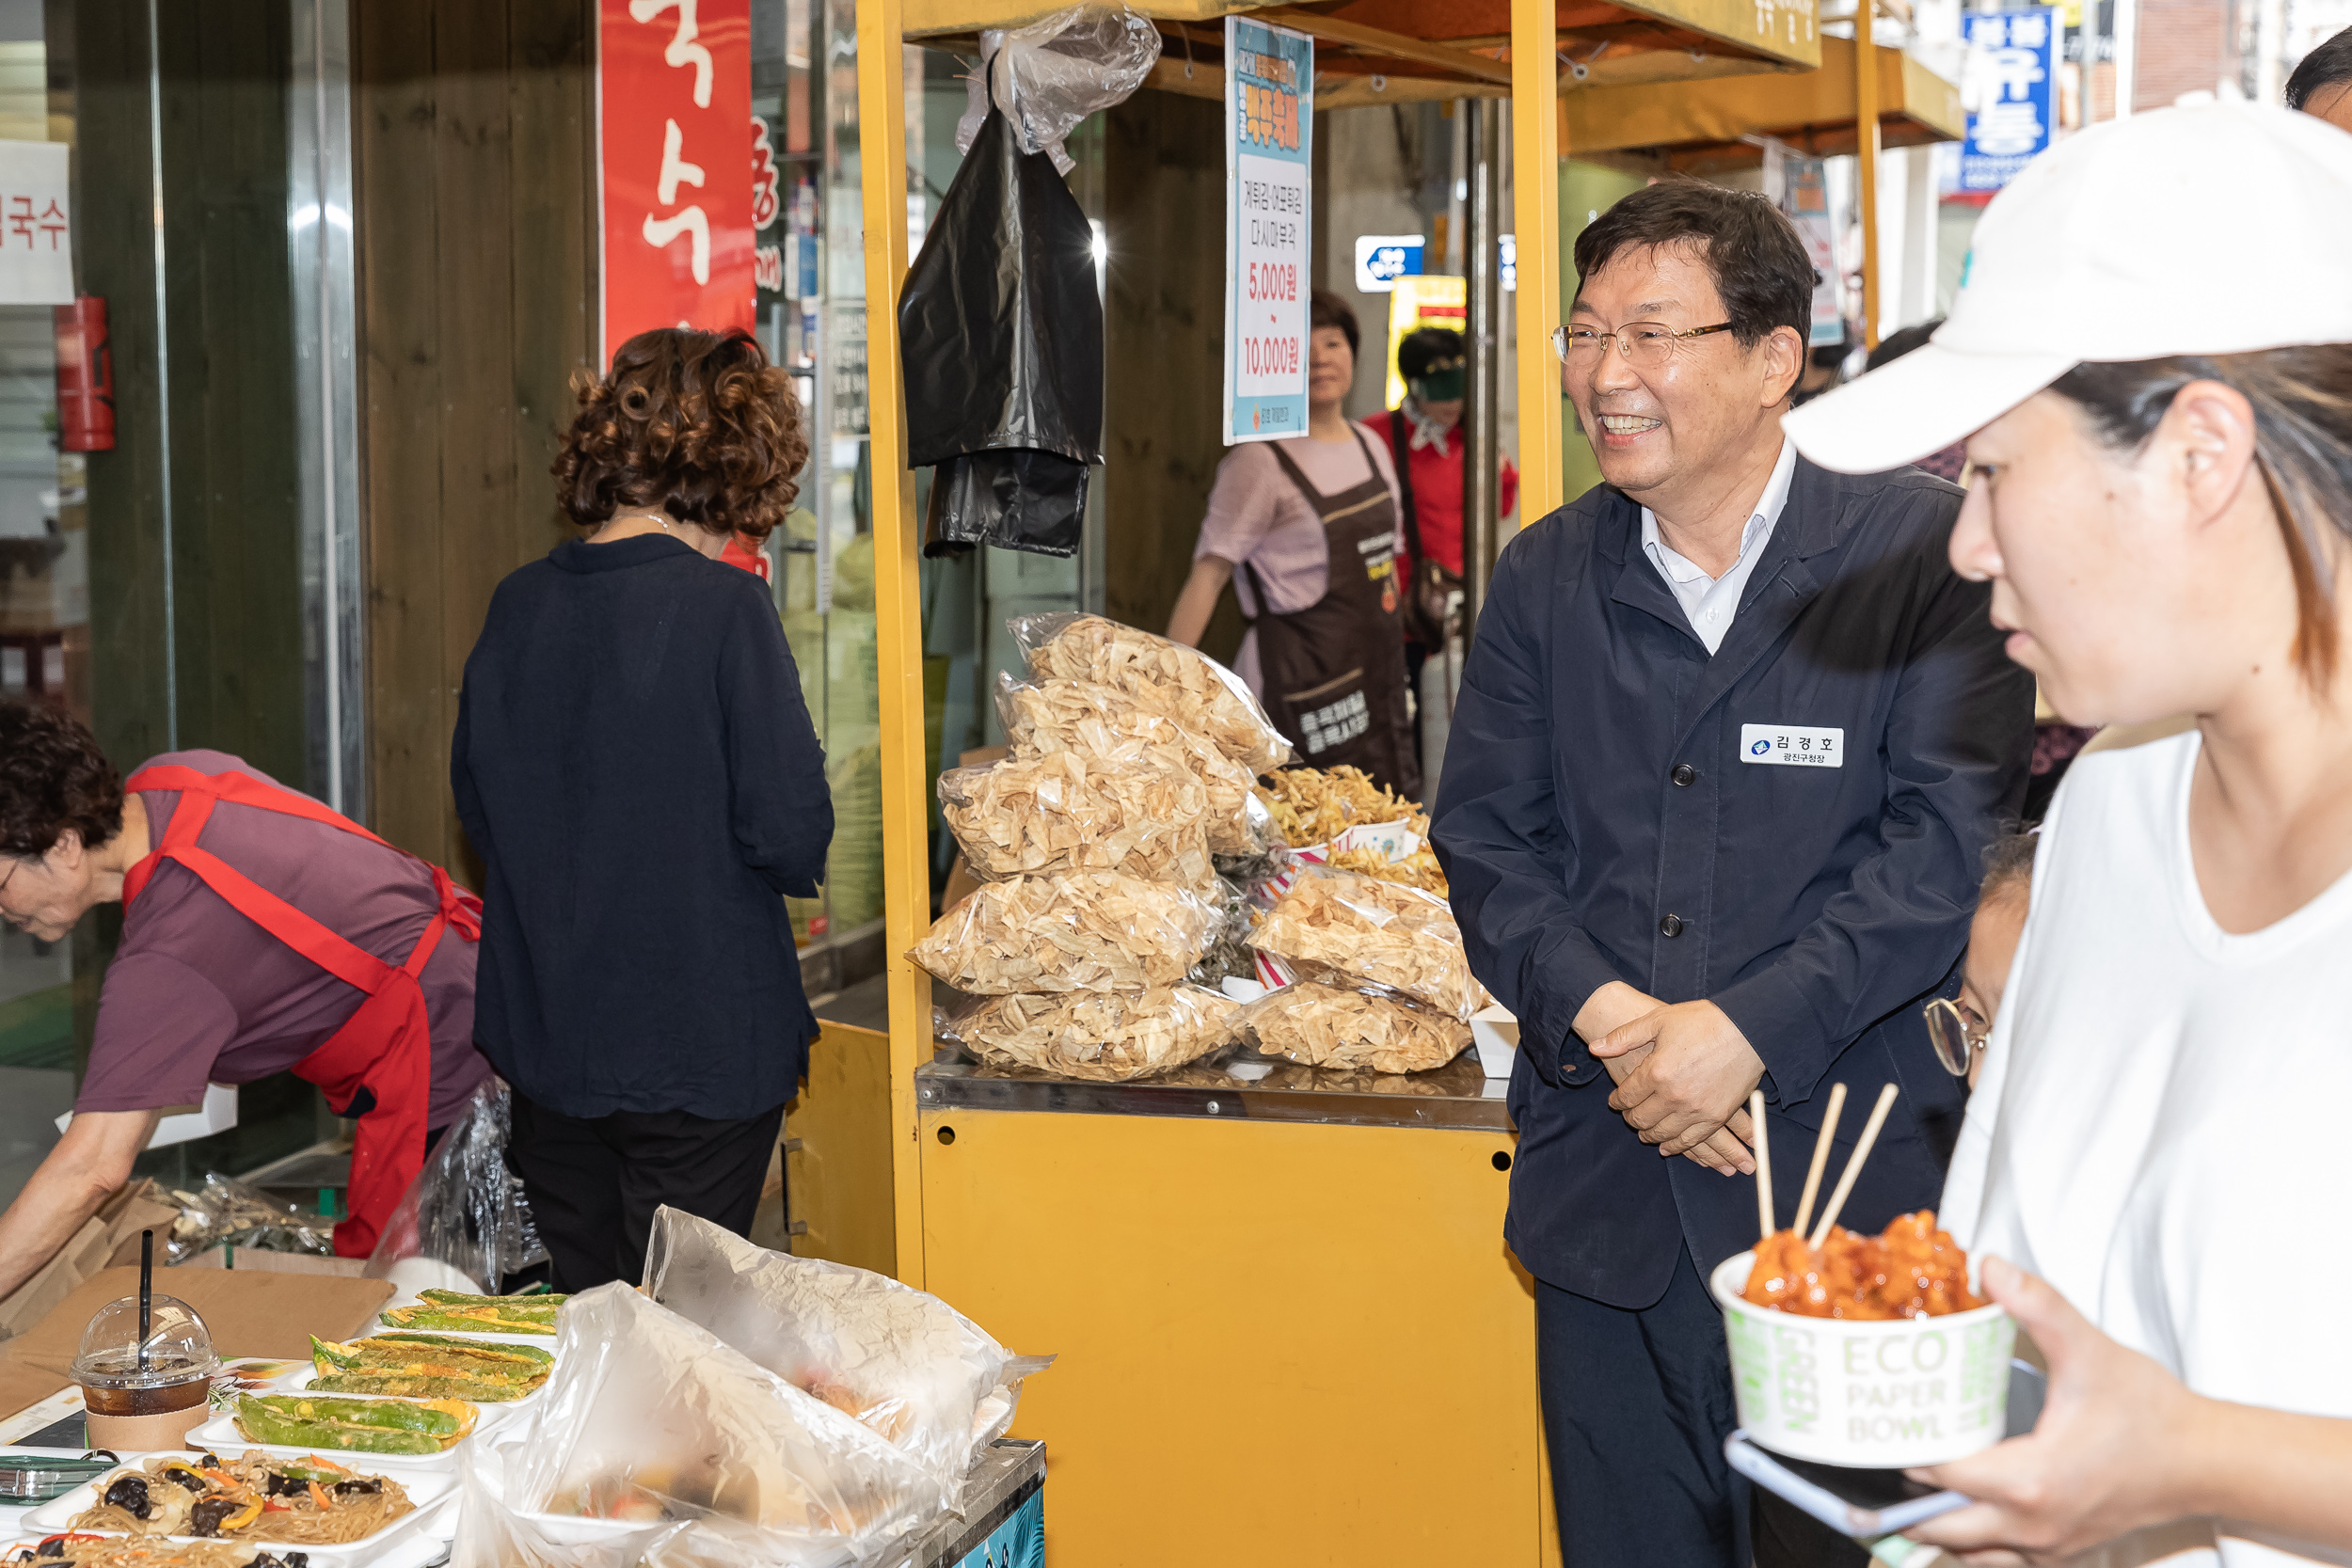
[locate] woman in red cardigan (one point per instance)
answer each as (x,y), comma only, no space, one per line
(1424,439)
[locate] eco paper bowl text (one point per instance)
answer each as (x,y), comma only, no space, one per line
(1883,1395)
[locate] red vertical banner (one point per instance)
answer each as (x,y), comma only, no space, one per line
(673,82)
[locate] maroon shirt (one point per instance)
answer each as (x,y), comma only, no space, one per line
(198,992)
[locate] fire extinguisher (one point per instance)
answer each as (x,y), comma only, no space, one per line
(86,377)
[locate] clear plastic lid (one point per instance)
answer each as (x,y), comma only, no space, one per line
(179,1346)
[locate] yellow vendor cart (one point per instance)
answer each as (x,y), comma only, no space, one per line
(1289,1329)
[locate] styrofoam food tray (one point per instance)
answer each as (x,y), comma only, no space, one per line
(415,1551)
(425,1488)
(221,1435)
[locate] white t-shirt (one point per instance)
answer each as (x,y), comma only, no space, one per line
(2159,1129)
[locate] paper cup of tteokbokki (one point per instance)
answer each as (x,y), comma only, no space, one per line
(1870,1350)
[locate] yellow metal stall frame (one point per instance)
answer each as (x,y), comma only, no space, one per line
(1289,1331)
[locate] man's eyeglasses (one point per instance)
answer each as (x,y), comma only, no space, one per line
(1645,344)
(1957,1032)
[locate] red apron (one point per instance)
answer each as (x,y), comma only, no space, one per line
(386,1046)
(739,553)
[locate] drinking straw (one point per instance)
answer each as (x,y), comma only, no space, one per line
(1854,1165)
(1763,1168)
(1821,1156)
(147,1290)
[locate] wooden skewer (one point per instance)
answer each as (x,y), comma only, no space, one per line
(1853,1166)
(1821,1157)
(1764,1227)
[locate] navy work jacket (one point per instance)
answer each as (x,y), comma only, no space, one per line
(1605,815)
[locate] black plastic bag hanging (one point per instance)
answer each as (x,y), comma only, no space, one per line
(1001,342)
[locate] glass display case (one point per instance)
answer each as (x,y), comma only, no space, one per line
(189,578)
(812,318)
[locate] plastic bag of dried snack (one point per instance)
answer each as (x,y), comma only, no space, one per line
(1165,677)
(1105,1036)
(1339,923)
(1334,1026)
(1045,716)
(1087,930)
(1073,811)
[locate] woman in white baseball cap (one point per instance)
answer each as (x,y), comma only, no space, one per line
(2151,360)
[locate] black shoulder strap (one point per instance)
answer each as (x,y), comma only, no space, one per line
(1397,449)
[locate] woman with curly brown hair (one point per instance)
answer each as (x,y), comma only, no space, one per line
(261,933)
(635,766)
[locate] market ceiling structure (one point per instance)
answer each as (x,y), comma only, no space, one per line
(1701,127)
(1370,52)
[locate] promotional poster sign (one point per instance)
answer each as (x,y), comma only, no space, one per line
(2008,86)
(36,226)
(1805,199)
(1269,129)
(680,168)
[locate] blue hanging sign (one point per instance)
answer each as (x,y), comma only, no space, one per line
(2009,86)
(1269,134)
(1382,259)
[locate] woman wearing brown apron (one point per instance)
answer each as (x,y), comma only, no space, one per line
(1310,525)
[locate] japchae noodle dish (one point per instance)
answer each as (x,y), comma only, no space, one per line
(304,1502)
(1912,1271)
(112,1551)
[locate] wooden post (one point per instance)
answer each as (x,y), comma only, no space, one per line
(1536,221)
(1865,107)
(897,603)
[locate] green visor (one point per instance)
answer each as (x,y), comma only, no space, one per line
(1441,384)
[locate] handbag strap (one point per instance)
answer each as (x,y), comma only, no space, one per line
(1397,449)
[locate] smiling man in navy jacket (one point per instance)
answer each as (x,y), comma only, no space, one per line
(1729,747)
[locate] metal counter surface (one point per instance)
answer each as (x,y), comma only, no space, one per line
(1245,1087)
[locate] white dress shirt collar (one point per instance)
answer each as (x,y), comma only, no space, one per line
(1711,603)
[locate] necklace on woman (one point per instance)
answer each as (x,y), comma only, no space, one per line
(642,517)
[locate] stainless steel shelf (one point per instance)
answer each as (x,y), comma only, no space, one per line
(1245,1087)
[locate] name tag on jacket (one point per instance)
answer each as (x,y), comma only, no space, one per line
(1786,746)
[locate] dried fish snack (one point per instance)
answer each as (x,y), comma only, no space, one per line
(1338,923)
(1164,677)
(1105,1036)
(1419,869)
(1228,956)
(1086,930)
(1045,716)
(1311,805)
(1333,1026)
(1075,812)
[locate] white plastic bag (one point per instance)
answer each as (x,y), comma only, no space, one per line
(1056,72)
(893,1362)
(492,1534)
(650,1421)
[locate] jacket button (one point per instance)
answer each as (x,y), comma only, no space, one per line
(1671,926)
(1683,773)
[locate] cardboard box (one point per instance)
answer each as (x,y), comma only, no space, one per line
(109,1237)
(250,1311)
(227,1255)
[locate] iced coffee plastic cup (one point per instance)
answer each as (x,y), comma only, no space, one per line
(140,1397)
